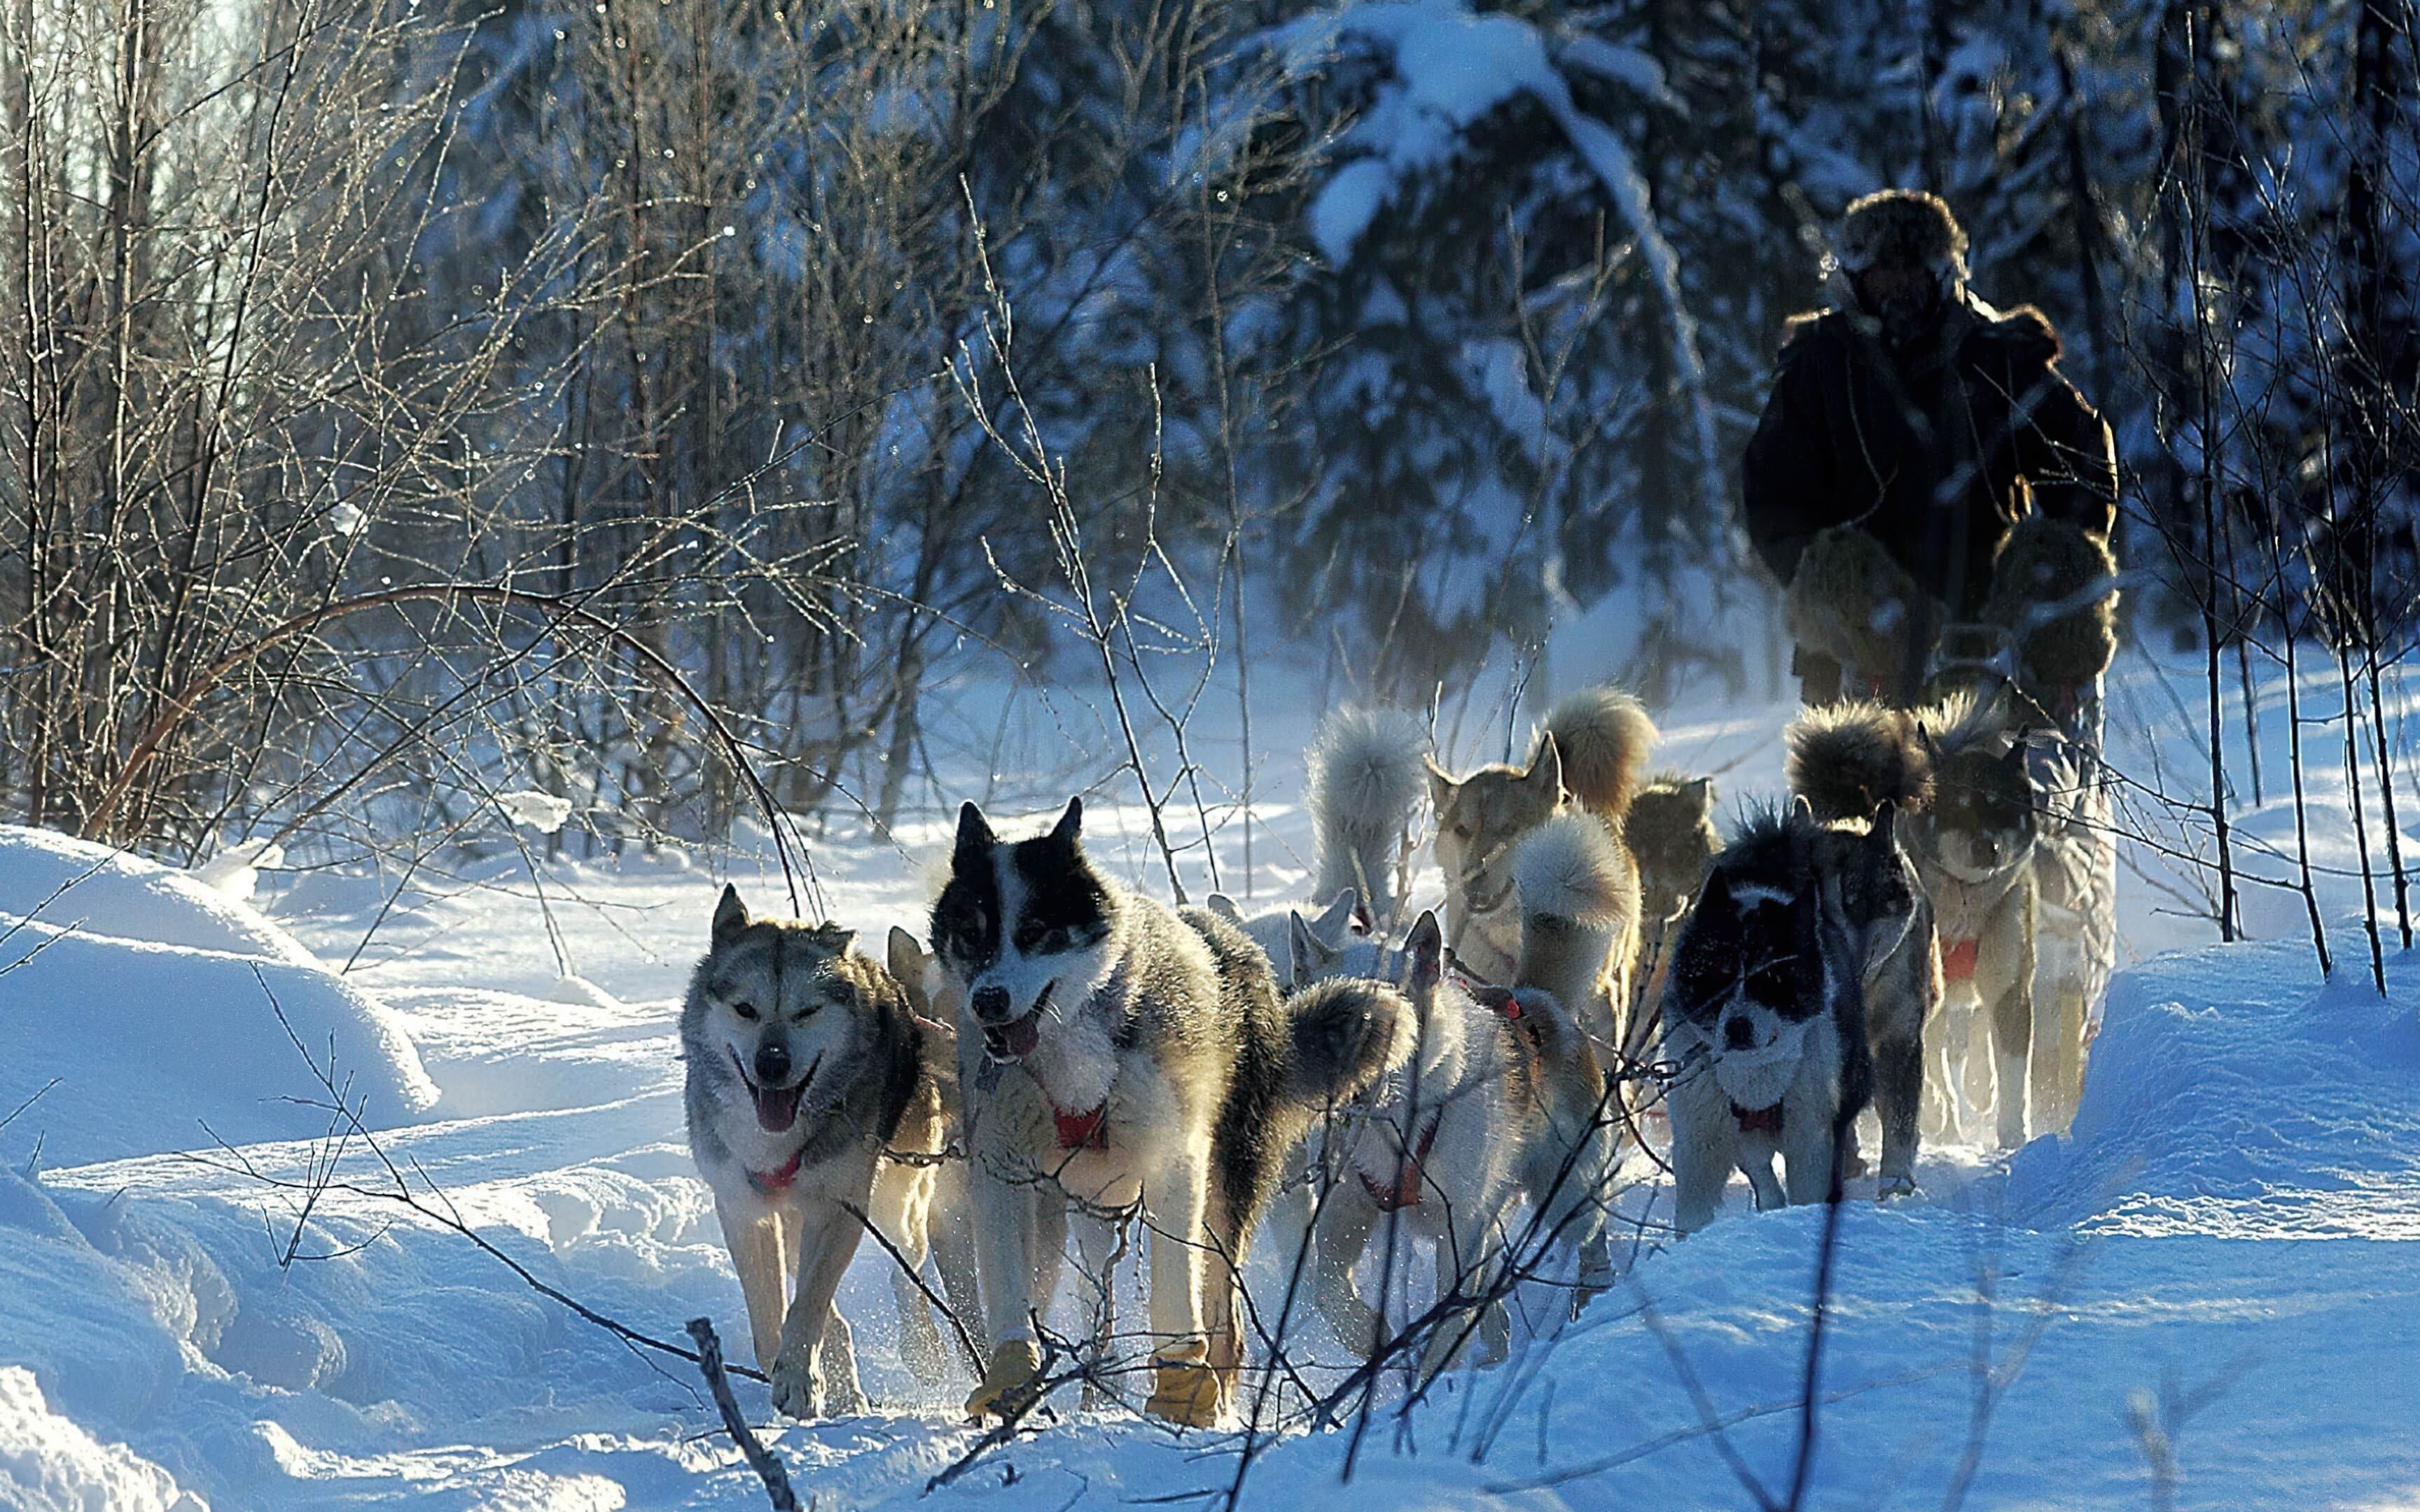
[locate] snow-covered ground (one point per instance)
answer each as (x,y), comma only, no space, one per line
(2212,1272)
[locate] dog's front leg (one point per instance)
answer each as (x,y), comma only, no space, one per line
(752,1233)
(1341,1233)
(1008,1255)
(816,1369)
(1705,1140)
(1184,1390)
(2012,1018)
(1898,1088)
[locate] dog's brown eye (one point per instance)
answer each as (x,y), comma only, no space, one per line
(746,1010)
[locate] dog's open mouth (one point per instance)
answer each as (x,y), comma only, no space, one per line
(1015,1039)
(777,1107)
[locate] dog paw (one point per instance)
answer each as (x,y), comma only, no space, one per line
(1186,1389)
(1892,1188)
(1009,1382)
(797,1387)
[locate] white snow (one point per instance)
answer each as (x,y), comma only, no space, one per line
(2229,1220)
(541,811)
(49,1464)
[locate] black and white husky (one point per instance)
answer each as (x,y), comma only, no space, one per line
(1801,980)
(1113,1051)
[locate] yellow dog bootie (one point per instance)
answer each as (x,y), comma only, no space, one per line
(1186,1389)
(1013,1377)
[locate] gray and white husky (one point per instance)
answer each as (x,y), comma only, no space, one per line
(1115,1051)
(805,1064)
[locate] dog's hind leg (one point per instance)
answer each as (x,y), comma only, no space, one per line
(901,1211)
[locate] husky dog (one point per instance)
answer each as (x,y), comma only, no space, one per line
(1115,1051)
(1862,768)
(1975,850)
(2054,594)
(1281,933)
(1364,784)
(804,1064)
(1849,600)
(1437,1147)
(1670,832)
(1592,749)
(1578,898)
(1799,987)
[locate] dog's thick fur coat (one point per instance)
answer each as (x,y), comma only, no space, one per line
(1365,781)
(1851,601)
(1593,751)
(1115,1051)
(804,1063)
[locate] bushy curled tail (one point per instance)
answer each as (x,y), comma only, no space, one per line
(1848,760)
(1571,870)
(1345,1033)
(1366,780)
(1604,736)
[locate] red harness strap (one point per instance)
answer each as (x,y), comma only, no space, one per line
(1083,1131)
(1405,1192)
(1758,1120)
(1958,960)
(778,1180)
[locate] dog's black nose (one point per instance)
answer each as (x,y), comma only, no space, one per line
(1738,1034)
(772,1064)
(991,1004)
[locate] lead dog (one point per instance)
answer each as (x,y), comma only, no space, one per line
(804,1064)
(1115,1051)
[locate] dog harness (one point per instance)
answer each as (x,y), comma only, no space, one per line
(1958,960)
(772,1182)
(1405,1192)
(1083,1131)
(1758,1120)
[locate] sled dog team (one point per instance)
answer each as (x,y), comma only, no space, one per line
(1071,1053)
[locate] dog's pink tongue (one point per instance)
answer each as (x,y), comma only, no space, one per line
(1014,1042)
(777,1110)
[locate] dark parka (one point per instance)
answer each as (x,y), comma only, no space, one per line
(1937,453)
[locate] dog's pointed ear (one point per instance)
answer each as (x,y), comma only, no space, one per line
(835,938)
(1546,773)
(1070,827)
(1700,792)
(975,838)
(1884,837)
(731,919)
(1441,783)
(1716,891)
(2015,759)
(1336,920)
(1224,906)
(1801,811)
(1307,954)
(1425,953)
(904,956)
